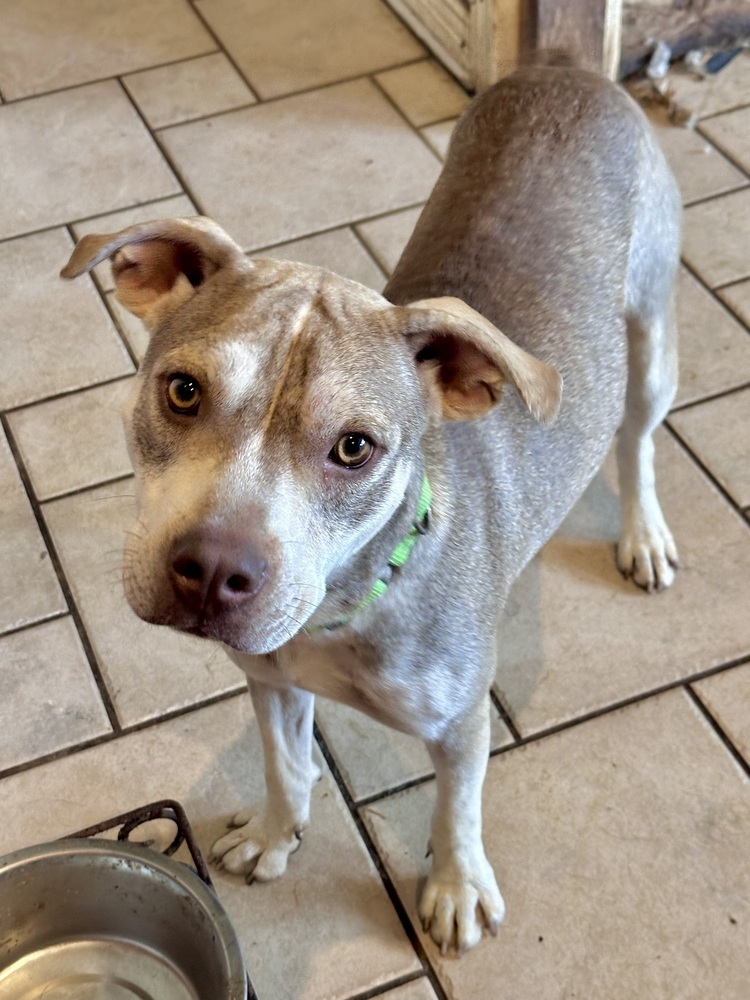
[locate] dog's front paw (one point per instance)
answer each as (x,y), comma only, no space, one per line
(646,551)
(259,845)
(458,904)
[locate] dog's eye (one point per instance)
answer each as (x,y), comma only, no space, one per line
(183,394)
(352,451)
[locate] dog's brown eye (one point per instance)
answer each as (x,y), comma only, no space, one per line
(183,394)
(352,450)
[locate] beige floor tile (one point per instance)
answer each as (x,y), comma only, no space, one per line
(148,670)
(186,90)
(50,699)
(97,156)
(727,696)
(57,335)
(716,241)
(46,45)
(373,758)
(439,135)
(731,133)
(737,297)
(424,92)
(718,431)
(700,170)
(177,207)
(133,330)
(728,89)
(388,236)
(577,637)
(284,45)
(74,441)
(325,930)
(714,349)
(622,879)
(29,590)
(338,250)
(316,160)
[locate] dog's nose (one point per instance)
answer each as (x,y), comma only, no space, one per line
(213,572)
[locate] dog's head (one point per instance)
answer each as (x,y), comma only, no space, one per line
(277,421)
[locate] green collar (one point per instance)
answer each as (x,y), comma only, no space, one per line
(398,557)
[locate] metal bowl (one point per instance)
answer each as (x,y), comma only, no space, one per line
(106,920)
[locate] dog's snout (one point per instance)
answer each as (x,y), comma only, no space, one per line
(214,572)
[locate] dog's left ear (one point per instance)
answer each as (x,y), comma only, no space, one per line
(471,360)
(158,265)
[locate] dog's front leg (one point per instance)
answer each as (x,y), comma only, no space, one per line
(268,832)
(461,896)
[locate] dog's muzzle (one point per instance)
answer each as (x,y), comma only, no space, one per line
(215,572)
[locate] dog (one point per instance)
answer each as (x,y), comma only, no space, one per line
(341,486)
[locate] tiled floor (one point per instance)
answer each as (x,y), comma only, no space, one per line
(617,806)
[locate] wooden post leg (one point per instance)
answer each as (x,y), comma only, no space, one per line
(590,30)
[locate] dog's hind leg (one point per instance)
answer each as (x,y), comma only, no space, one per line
(646,550)
(267,833)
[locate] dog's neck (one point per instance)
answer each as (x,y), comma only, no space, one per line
(351,585)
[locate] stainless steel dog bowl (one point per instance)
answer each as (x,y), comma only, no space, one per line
(107,920)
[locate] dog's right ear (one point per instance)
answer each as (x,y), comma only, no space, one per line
(158,265)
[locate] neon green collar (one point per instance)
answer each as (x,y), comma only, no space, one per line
(398,557)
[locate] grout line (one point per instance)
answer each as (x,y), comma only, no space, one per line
(718,729)
(712,291)
(62,580)
(78,490)
(691,404)
(404,118)
(106,79)
(90,218)
(66,392)
(371,250)
(724,111)
(363,243)
(301,93)
(104,296)
(185,188)
(731,284)
(505,714)
(703,467)
(724,151)
(728,284)
(390,888)
(703,199)
(379,991)
(258,251)
(388,793)
(222,48)
(128,208)
(99,291)
(616,706)
(138,727)
(54,617)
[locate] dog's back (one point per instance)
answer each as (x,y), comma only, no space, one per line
(532,223)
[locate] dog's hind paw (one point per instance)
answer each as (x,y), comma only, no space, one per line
(259,845)
(647,552)
(456,906)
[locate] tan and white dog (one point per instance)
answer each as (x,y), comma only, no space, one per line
(342,486)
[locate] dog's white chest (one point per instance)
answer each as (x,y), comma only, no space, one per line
(338,671)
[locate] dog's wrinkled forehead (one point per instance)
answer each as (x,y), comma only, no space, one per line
(280,346)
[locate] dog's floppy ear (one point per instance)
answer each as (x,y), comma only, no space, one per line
(471,359)
(158,265)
